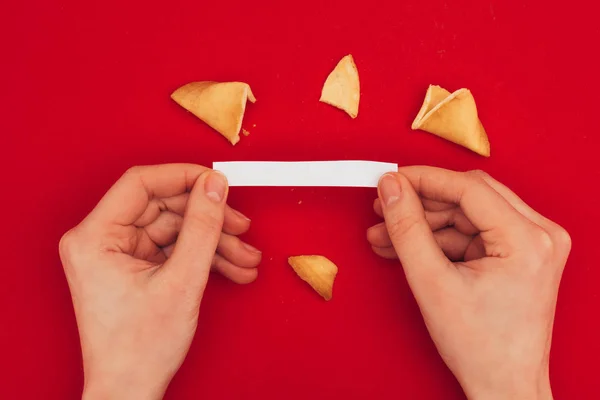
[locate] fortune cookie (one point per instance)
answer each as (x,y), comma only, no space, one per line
(454,118)
(221,105)
(317,271)
(342,87)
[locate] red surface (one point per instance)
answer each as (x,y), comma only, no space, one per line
(84,94)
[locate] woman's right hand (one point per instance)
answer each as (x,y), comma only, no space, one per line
(485,270)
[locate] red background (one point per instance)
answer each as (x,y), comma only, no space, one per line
(85,94)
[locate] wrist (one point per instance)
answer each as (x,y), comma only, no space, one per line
(106,388)
(511,390)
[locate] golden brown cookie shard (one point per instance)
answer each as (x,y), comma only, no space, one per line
(318,271)
(454,118)
(220,104)
(342,87)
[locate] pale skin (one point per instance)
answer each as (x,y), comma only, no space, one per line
(484,268)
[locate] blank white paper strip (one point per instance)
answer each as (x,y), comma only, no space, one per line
(304,173)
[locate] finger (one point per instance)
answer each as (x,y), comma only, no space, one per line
(235,223)
(140,184)
(200,232)
(377,207)
(385,252)
(378,236)
(428,205)
(453,243)
(175,204)
(558,234)
(233,272)
(238,252)
(482,205)
(146,249)
(453,217)
(432,205)
(513,199)
(409,231)
(164,230)
(226,268)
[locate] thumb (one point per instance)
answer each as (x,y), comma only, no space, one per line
(201,229)
(413,240)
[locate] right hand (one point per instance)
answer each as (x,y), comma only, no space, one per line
(485,270)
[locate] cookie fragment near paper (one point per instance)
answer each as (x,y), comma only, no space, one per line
(342,87)
(221,105)
(317,271)
(453,117)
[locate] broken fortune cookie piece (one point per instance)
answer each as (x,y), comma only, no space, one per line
(318,271)
(342,87)
(454,118)
(220,104)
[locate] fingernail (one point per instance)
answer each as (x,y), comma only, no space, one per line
(239,214)
(389,189)
(215,186)
(251,249)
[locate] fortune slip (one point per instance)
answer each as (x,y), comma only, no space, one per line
(304,173)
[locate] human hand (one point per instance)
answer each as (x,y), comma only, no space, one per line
(137,267)
(485,270)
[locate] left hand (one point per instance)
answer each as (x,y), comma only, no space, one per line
(137,267)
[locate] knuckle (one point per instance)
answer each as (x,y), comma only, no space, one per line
(547,247)
(542,246)
(171,221)
(133,170)
(478,174)
(543,241)
(67,245)
(475,180)
(562,239)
